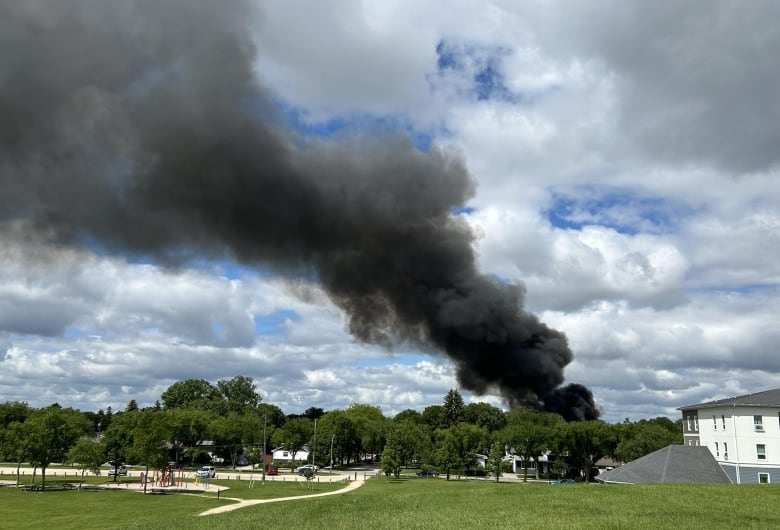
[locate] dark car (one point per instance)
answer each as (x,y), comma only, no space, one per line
(428,473)
(562,482)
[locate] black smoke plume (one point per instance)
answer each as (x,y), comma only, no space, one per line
(139,126)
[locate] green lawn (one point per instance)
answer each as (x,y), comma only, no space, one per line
(407,504)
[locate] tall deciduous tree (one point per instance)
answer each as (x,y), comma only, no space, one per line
(457,447)
(87,453)
(233,432)
(528,434)
(586,442)
(496,464)
(50,433)
(190,393)
(484,415)
(239,393)
(118,439)
(370,427)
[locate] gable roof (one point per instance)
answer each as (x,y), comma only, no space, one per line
(766,398)
(673,463)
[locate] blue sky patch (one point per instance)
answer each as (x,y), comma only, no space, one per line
(625,211)
(273,324)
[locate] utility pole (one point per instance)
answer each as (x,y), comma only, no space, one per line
(332,438)
(265,421)
(314,449)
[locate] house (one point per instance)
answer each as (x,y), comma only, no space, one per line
(741,432)
(283,456)
(673,463)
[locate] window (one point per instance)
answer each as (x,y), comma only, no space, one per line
(714,422)
(285,454)
(717,453)
(725,451)
(758,423)
(696,423)
(723,421)
(763,478)
(761,451)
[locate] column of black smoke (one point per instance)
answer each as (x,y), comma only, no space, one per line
(138,125)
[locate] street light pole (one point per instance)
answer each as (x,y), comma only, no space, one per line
(265,422)
(314,449)
(332,438)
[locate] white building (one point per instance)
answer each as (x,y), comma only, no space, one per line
(742,433)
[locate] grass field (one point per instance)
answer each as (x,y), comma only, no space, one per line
(408,504)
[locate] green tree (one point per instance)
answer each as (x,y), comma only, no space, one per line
(336,430)
(645,436)
(452,409)
(150,440)
(234,432)
(370,427)
(457,447)
(484,415)
(586,442)
(87,454)
(408,415)
(191,393)
(118,439)
(186,429)
(391,462)
(433,417)
(50,433)
(293,435)
(18,445)
(238,393)
(528,434)
(496,465)
(410,442)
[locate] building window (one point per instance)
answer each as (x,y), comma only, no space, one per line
(761,451)
(758,423)
(696,423)
(725,451)
(763,478)
(714,422)
(723,421)
(717,453)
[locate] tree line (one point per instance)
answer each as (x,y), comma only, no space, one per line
(232,416)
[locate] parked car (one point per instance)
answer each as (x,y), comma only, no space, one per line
(428,473)
(302,470)
(206,472)
(562,482)
(242,461)
(121,470)
(271,470)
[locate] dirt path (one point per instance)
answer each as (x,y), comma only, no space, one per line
(243,503)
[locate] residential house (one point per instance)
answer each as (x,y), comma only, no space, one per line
(741,432)
(283,456)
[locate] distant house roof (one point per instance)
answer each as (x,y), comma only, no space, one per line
(673,463)
(759,399)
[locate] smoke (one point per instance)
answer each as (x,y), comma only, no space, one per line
(139,126)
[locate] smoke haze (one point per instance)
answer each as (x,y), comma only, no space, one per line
(138,126)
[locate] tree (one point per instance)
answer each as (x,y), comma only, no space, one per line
(233,432)
(293,435)
(239,393)
(336,430)
(50,434)
(150,436)
(484,415)
(586,442)
(496,464)
(185,428)
(457,447)
(87,454)
(433,416)
(528,434)
(409,442)
(644,437)
(408,415)
(119,438)
(370,427)
(452,409)
(391,462)
(191,393)
(132,406)
(18,445)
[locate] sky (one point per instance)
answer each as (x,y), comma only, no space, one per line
(609,165)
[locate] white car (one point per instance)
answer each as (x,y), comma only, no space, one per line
(302,469)
(120,470)
(206,472)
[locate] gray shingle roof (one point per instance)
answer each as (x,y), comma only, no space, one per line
(759,399)
(673,463)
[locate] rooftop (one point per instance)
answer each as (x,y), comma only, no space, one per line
(769,398)
(673,463)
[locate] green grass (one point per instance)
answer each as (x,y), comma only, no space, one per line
(410,504)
